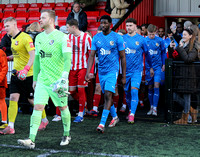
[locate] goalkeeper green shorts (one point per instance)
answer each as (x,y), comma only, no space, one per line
(42,94)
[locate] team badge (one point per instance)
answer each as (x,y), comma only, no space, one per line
(51,42)
(16,43)
(137,43)
(111,43)
(157,44)
(31,44)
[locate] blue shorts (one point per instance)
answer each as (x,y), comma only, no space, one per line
(133,80)
(108,81)
(156,78)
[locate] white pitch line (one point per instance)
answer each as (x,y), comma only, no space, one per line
(53,151)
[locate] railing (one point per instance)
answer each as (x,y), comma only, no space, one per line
(10,67)
(181,79)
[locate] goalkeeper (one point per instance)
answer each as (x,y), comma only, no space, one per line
(50,76)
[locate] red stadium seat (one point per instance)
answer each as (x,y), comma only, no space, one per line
(44,8)
(2,6)
(24,5)
(33,20)
(1,15)
(34,14)
(92,15)
(102,12)
(9,10)
(12,6)
(94,32)
(3,33)
(61,6)
(35,7)
(21,24)
(62,14)
(21,19)
(61,22)
(93,24)
(21,9)
(9,14)
(1,26)
(52,5)
(22,14)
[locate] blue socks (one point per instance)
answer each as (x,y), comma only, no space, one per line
(156,97)
(104,117)
(128,100)
(134,100)
(150,96)
(113,111)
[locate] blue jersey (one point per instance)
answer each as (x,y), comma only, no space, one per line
(134,48)
(157,51)
(108,47)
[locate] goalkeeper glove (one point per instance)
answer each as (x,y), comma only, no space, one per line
(61,86)
(23,73)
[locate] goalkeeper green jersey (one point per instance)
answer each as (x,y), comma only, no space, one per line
(49,50)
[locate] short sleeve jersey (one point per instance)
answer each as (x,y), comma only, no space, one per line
(50,48)
(156,49)
(21,45)
(108,47)
(134,48)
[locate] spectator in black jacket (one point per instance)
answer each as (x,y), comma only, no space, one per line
(78,14)
(6,44)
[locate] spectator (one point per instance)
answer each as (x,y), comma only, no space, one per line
(180,29)
(121,32)
(139,30)
(87,5)
(144,29)
(64,29)
(176,34)
(118,10)
(78,14)
(161,33)
(6,44)
(187,24)
(33,30)
(187,51)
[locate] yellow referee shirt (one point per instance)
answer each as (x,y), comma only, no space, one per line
(21,44)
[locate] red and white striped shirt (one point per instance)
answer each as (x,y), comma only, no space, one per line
(81,46)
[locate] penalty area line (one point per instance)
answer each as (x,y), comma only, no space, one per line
(53,151)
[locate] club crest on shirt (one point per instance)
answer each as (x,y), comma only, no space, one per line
(137,43)
(16,43)
(51,42)
(111,43)
(157,44)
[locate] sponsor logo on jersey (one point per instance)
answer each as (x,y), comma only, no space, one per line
(16,43)
(51,42)
(129,51)
(111,43)
(104,52)
(152,52)
(137,43)
(31,44)
(157,44)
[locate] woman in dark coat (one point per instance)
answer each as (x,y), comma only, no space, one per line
(186,83)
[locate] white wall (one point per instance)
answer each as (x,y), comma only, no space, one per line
(176,7)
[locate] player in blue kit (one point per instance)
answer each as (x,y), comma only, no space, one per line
(156,49)
(134,48)
(109,46)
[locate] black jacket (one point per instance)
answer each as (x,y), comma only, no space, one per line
(185,78)
(82,20)
(6,43)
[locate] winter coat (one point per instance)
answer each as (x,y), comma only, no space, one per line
(82,20)
(3,69)
(185,80)
(6,42)
(118,8)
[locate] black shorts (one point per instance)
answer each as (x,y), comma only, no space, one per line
(22,87)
